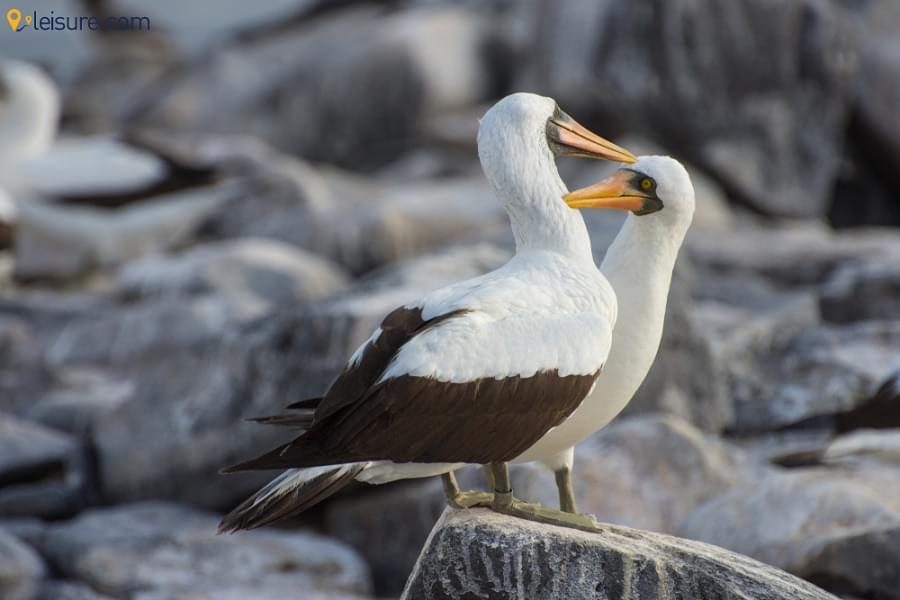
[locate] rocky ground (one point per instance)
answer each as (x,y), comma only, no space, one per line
(134,341)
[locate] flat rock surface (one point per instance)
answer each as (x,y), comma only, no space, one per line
(478,553)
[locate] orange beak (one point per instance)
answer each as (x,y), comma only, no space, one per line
(570,138)
(615,191)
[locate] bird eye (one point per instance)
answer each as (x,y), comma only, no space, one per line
(646,184)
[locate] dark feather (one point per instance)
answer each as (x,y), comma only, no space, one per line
(299,419)
(285,497)
(311,403)
(416,419)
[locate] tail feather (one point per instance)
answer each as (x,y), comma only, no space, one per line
(308,403)
(288,495)
(300,419)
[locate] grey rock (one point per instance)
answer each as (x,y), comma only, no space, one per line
(802,521)
(193,297)
(42,471)
(21,569)
(651,471)
(168,551)
(865,563)
(356,221)
(818,371)
(56,241)
(309,77)
(480,553)
(253,272)
(789,256)
(761,130)
(859,292)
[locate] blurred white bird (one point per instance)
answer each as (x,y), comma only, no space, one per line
(61,187)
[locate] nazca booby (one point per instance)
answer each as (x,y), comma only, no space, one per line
(476,372)
(657,191)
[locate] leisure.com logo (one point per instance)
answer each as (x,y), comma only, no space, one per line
(19,21)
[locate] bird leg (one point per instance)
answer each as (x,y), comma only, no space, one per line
(566,491)
(504,502)
(489,476)
(459,499)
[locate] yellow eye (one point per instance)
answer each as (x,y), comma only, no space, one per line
(646,184)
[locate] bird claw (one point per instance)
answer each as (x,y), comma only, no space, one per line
(471,499)
(549,516)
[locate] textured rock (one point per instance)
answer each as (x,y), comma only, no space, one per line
(818,371)
(769,129)
(167,551)
(805,521)
(21,570)
(857,292)
(41,470)
(478,553)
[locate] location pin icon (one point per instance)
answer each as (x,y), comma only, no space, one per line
(14,17)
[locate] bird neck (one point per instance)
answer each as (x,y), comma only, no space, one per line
(639,265)
(539,218)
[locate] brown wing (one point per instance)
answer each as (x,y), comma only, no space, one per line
(417,419)
(357,379)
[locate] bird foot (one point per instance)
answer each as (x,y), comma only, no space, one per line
(470,499)
(549,516)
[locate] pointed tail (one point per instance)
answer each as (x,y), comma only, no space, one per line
(288,495)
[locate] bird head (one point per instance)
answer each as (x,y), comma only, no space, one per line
(533,123)
(652,185)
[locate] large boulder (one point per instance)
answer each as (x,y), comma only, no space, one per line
(168,551)
(815,524)
(756,92)
(482,554)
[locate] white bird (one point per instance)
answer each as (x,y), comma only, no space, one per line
(476,372)
(33,161)
(657,190)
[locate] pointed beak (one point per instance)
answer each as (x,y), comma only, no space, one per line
(569,138)
(615,191)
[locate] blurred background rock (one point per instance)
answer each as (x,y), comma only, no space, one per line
(134,339)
